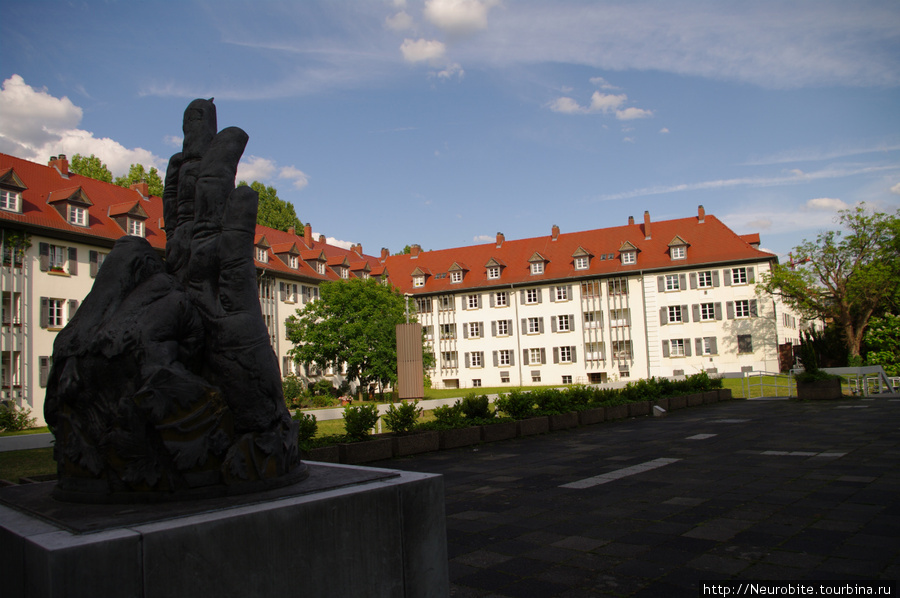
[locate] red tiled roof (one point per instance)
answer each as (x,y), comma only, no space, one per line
(709,242)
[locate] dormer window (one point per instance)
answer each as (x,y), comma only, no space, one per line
(293,262)
(457,272)
(537,262)
(10,201)
(344,272)
(537,268)
(629,257)
(493,272)
(581,262)
(78,215)
(135,227)
(456,276)
(130,216)
(320,267)
(678,248)
(262,255)
(419,281)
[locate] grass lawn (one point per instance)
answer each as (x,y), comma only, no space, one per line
(23,464)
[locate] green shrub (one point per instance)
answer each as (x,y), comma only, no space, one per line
(323,387)
(14,418)
(293,388)
(516,404)
(449,415)
(307,427)
(476,407)
(551,401)
(322,401)
(402,419)
(359,420)
(580,396)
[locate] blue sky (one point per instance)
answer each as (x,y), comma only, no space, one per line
(443,122)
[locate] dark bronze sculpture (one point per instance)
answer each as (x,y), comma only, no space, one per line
(164,384)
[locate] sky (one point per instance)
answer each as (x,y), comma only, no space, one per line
(444,122)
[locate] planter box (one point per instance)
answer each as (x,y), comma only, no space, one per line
(617,412)
(413,444)
(664,403)
(533,425)
(639,409)
(500,431)
(694,400)
(564,421)
(460,437)
(365,451)
(323,454)
(589,417)
(677,403)
(724,394)
(819,390)
(710,396)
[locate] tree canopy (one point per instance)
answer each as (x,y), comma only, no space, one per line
(138,173)
(845,276)
(273,211)
(90,167)
(354,323)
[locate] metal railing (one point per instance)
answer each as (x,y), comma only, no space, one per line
(758,385)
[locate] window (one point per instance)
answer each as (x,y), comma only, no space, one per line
(320,267)
(504,377)
(448,331)
(672,282)
(567,379)
(473,301)
(705,279)
(493,272)
(135,227)
(617,287)
(629,257)
(565,354)
(501,299)
(590,288)
(562,293)
(445,303)
(78,216)
(535,375)
(11,308)
(418,281)
(621,349)
(581,262)
(676,347)
(675,314)
(57,257)
(707,312)
(535,325)
(474,329)
(476,382)
(532,296)
(742,308)
(9,200)
(707,345)
(619,317)
(537,268)
(343,271)
(593,319)
(423,305)
(678,252)
(563,323)
(288,292)
(535,356)
(476,359)
(55,313)
(502,327)
(745,343)
(503,357)
(261,255)
(448,359)
(593,351)
(428,332)
(739,276)
(456,276)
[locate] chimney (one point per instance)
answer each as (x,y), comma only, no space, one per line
(500,239)
(61,164)
(554,233)
(142,187)
(631,220)
(385,253)
(414,250)
(701,213)
(307,234)
(292,231)
(646,225)
(322,239)
(357,248)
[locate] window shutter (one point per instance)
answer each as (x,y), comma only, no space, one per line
(665,347)
(295,297)
(496,358)
(44,249)
(693,280)
(492,300)
(525,356)
(45,312)
(715,277)
(543,356)
(541,325)
(663,316)
(726,274)
(682,284)
(465,328)
(93,258)
(73,307)
(687,347)
(684,314)
(555,354)
(552,294)
(750,275)
(729,309)
(698,346)
(464,303)
(282,292)
(661,283)
(695,312)
(574,359)
(466,354)
(540,295)
(522,297)
(712,345)
(73,261)
(45,371)
(494,328)
(753,312)
(478,301)
(718,310)
(552,323)
(569,295)
(512,358)
(524,325)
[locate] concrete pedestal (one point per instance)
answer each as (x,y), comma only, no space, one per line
(345,531)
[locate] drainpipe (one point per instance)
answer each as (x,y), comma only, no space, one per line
(512,291)
(646,328)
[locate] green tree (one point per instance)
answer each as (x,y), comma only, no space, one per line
(138,173)
(354,323)
(90,167)
(882,342)
(844,276)
(274,212)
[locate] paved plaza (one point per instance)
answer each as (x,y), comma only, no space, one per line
(749,490)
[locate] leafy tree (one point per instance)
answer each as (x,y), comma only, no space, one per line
(90,167)
(354,323)
(883,343)
(405,251)
(138,173)
(846,277)
(274,212)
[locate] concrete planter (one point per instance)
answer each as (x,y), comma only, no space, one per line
(460,437)
(664,403)
(710,396)
(639,409)
(418,442)
(677,403)
(724,394)
(694,400)
(588,417)
(819,390)
(499,431)
(617,412)
(323,454)
(564,421)
(365,451)
(533,425)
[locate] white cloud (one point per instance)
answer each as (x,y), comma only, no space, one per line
(483,238)
(664,130)
(633,113)
(299,178)
(896,189)
(254,168)
(399,22)
(423,50)
(335,242)
(605,103)
(826,203)
(458,17)
(602,83)
(35,125)
(566,106)
(762,223)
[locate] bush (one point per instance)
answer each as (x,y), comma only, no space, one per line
(516,404)
(402,419)
(13,418)
(323,388)
(476,407)
(359,420)
(307,428)
(551,401)
(293,389)
(449,416)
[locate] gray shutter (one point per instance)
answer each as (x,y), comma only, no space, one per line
(693,280)
(718,310)
(512,358)
(522,296)
(296,298)
(44,249)
(73,261)
(494,328)
(492,299)
(753,312)
(569,294)
(715,277)
(464,302)
(750,275)
(478,300)
(543,356)
(93,259)
(682,284)
(525,357)
(465,328)
(466,355)
(665,347)
(695,312)
(496,358)
(73,307)
(45,312)
(698,346)
(726,274)
(684,314)
(524,325)
(687,347)
(663,316)
(541,325)
(540,295)
(45,371)
(661,283)
(552,323)
(282,291)
(553,294)
(712,345)
(729,309)
(555,354)
(574,358)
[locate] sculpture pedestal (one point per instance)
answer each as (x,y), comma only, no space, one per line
(345,531)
